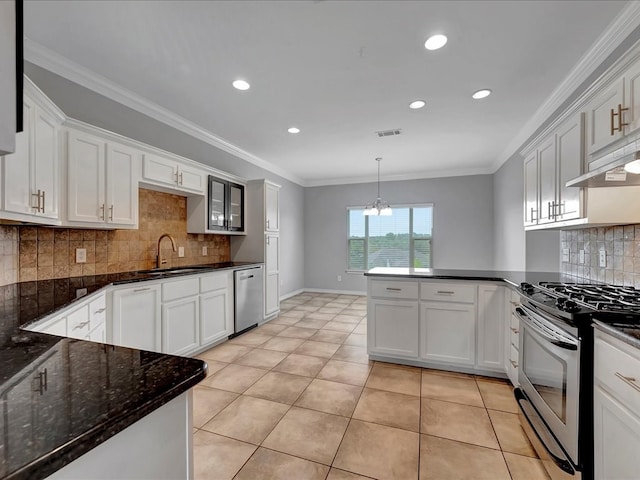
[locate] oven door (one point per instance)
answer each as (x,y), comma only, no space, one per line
(549,376)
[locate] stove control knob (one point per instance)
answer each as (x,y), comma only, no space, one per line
(560,302)
(570,306)
(526,287)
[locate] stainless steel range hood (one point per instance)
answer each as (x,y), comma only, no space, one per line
(612,174)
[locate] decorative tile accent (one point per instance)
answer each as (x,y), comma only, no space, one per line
(46,252)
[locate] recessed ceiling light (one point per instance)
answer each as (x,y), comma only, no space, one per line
(416,104)
(241,85)
(485,92)
(435,42)
(293,130)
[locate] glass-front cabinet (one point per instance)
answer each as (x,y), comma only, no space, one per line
(226,205)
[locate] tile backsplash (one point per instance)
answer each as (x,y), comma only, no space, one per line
(621,244)
(46,253)
(8,254)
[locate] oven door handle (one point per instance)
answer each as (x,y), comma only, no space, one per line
(533,325)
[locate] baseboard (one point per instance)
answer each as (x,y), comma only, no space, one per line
(339,292)
(292,294)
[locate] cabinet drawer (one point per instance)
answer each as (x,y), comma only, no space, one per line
(180,289)
(391,289)
(213,282)
(78,322)
(448,292)
(618,370)
(512,365)
(514,331)
(98,310)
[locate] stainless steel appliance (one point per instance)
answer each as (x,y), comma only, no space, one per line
(556,374)
(249,310)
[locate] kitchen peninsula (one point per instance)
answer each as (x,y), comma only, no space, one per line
(78,409)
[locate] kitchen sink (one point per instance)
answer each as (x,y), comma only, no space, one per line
(169,271)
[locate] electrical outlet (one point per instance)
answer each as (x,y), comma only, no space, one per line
(204,251)
(581,256)
(339,278)
(565,254)
(181,252)
(81,255)
(602,259)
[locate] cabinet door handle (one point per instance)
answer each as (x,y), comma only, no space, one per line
(514,330)
(533,218)
(111,212)
(37,195)
(514,364)
(268,243)
(550,215)
(180,177)
(81,325)
(43,201)
(177,177)
(631,381)
(267,224)
(391,289)
(136,290)
(621,123)
(445,292)
(41,382)
(102,211)
(100,310)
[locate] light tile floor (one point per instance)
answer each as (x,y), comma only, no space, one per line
(298,398)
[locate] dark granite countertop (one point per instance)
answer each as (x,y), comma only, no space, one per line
(93,390)
(513,278)
(627,332)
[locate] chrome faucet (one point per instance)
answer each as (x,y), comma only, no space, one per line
(160,260)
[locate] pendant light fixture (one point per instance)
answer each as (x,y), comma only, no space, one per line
(379,207)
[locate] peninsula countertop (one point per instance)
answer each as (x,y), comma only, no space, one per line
(61,397)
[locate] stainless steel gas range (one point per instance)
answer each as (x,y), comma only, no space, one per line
(556,367)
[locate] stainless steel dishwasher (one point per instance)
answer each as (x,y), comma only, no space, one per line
(248,297)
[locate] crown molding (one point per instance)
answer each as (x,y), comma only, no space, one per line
(617,31)
(60,65)
(399,178)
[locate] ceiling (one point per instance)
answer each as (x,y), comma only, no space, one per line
(338,70)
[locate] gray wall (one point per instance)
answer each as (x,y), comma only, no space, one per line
(508,235)
(543,251)
(87,106)
(462,225)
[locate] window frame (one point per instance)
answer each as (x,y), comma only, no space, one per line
(366,235)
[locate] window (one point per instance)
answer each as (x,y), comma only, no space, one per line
(400,240)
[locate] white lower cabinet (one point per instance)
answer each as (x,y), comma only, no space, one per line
(448,324)
(180,332)
(393,328)
(490,336)
(135,317)
(448,333)
(216,307)
(616,409)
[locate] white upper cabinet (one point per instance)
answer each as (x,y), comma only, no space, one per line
(614,113)
(272,207)
(102,182)
(30,177)
(602,121)
(172,174)
(557,158)
(7,77)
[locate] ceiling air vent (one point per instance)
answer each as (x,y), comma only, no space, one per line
(389,133)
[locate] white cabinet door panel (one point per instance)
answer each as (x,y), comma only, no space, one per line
(46,163)
(272,208)
(569,142)
(617,437)
(86,178)
(136,318)
(160,170)
(180,326)
(599,117)
(215,316)
(448,333)
(394,328)
(272,293)
(192,179)
(547,174)
(122,185)
(491,329)
(632,99)
(17,168)
(531,209)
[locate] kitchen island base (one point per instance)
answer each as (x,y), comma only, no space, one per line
(159,446)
